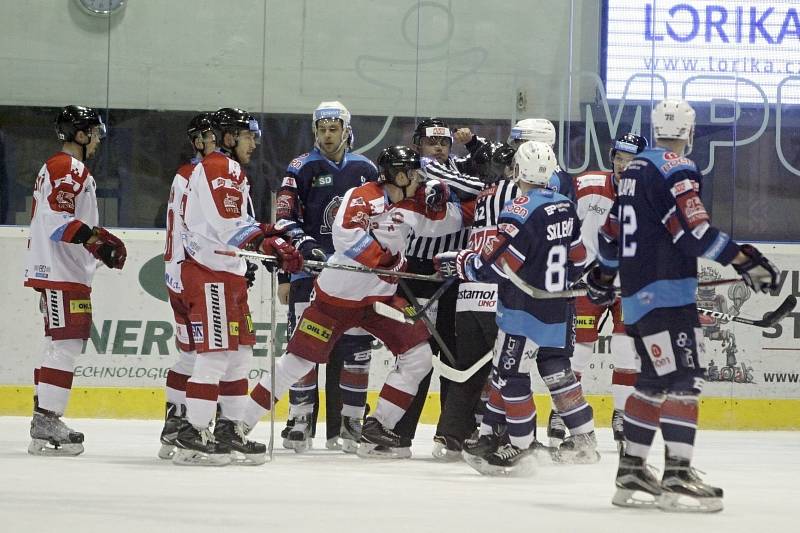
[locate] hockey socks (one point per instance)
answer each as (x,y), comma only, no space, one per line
(642,414)
(353,382)
(679,425)
(520,410)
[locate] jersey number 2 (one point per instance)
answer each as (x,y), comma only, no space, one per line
(628,218)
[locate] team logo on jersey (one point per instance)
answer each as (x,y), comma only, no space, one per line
(67,180)
(520,200)
(65,200)
(597,209)
(670,155)
(198,334)
(329,215)
(318,331)
(509,229)
(322,180)
(231,204)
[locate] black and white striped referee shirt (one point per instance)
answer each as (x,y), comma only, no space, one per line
(465,188)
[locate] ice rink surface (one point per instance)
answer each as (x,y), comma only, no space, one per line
(119,485)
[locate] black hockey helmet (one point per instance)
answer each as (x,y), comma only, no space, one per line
(394,159)
(200,124)
(432,127)
(233,120)
(75,118)
(491,159)
(628,143)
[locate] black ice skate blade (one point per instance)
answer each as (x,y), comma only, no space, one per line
(524,468)
(367,450)
(635,498)
(672,502)
(186,457)
(44,447)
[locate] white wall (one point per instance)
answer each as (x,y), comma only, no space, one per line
(472,56)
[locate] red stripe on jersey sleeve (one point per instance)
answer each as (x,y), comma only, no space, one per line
(71,229)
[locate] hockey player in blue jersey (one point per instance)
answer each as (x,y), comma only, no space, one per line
(308,199)
(655,232)
(538,237)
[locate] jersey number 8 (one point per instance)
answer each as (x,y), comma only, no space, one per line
(555,276)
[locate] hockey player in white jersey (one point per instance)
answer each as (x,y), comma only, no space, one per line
(217,215)
(201,137)
(371,228)
(63,250)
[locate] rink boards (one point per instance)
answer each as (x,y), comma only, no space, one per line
(754,379)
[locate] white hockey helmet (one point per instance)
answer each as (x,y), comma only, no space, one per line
(534,163)
(333,110)
(673,119)
(533,129)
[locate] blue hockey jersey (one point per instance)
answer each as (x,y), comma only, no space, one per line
(538,236)
(653,236)
(313,189)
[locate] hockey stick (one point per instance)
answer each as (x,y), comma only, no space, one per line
(317,265)
(428,323)
(409,318)
(273,347)
(539,294)
(769,320)
(460,376)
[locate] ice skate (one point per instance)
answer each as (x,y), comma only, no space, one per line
(299,437)
(446,449)
(51,436)
(198,447)
(350,433)
(175,414)
(242,450)
(475,451)
(682,490)
(508,460)
(578,449)
(617,428)
(285,433)
(378,441)
(636,484)
(556,430)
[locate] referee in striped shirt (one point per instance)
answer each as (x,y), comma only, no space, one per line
(434,140)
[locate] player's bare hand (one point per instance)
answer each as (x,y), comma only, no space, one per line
(463,135)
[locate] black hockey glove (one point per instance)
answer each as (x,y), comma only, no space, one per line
(600,291)
(758,272)
(250,274)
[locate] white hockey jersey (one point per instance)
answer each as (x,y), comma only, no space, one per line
(64,198)
(594,193)
(367,225)
(217,213)
(173,249)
